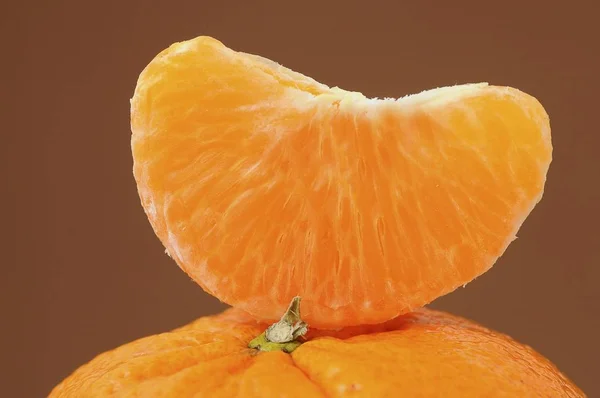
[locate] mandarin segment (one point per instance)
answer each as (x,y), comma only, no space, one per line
(264,184)
(423,354)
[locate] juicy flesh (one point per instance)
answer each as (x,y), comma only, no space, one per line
(264,184)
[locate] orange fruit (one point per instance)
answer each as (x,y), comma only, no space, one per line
(264,184)
(422,354)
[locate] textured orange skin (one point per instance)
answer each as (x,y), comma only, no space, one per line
(423,354)
(263,184)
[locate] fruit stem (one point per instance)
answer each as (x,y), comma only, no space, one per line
(285,335)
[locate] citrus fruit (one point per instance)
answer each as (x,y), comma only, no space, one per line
(422,354)
(264,184)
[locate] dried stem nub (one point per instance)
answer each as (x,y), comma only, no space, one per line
(284,335)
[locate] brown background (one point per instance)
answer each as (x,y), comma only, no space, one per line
(84,271)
